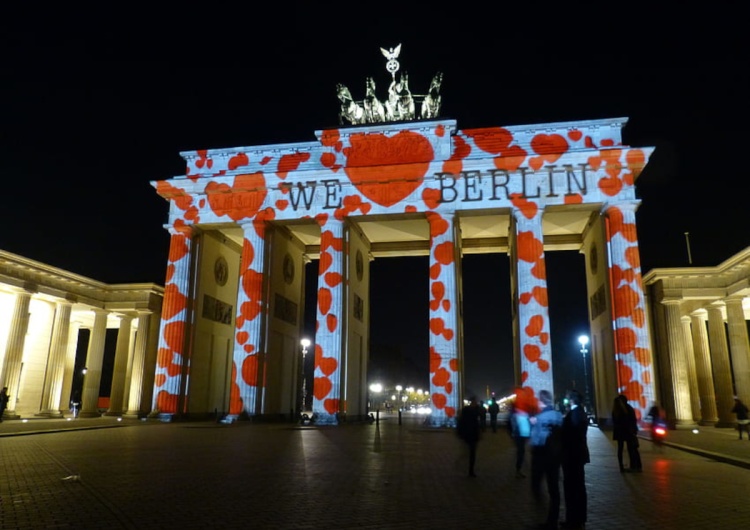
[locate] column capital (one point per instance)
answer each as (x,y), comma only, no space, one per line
(181,229)
(528,213)
(630,206)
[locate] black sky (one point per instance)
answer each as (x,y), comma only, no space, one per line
(96,104)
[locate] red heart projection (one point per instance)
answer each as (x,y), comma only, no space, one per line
(402,160)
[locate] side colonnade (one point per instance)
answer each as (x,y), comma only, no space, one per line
(43,310)
(703,352)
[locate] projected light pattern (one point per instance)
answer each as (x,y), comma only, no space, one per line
(533,314)
(444,361)
(633,354)
(328,337)
(172,364)
(431,169)
(246,369)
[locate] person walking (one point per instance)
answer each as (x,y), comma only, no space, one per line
(743,423)
(625,432)
(546,451)
(575,455)
(469,428)
(520,431)
(4,398)
(494,410)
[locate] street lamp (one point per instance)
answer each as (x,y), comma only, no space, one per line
(376,388)
(305,343)
(584,340)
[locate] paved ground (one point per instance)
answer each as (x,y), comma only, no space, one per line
(148,474)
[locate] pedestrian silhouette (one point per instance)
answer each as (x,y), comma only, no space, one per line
(494,410)
(546,452)
(575,456)
(625,432)
(520,431)
(743,423)
(4,399)
(468,430)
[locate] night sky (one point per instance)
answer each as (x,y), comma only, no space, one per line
(95,105)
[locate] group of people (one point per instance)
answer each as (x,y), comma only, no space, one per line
(557,442)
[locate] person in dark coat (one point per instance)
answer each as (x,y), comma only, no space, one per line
(546,449)
(743,423)
(625,432)
(575,455)
(4,399)
(469,428)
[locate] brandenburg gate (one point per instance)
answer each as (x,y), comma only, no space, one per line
(393,179)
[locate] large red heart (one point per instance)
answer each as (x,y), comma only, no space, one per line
(385,169)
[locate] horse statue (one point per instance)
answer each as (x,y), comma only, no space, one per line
(431,104)
(400,104)
(350,111)
(374,109)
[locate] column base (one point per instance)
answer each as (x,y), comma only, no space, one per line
(11,415)
(708,423)
(325,419)
(49,414)
(89,414)
(112,413)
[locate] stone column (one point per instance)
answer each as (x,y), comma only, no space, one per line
(695,402)
(445,361)
(683,412)
(703,369)
(53,380)
(94,360)
(138,365)
(739,348)
(121,363)
(172,358)
(635,367)
(11,375)
(70,365)
(532,300)
(249,338)
(329,335)
(717,339)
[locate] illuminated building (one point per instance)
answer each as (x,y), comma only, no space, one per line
(699,317)
(42,311)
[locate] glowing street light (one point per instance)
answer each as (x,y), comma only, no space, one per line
(584,340)
(305,343)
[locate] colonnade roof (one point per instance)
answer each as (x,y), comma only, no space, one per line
(52,284)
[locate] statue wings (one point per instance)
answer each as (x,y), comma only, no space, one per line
(392,53)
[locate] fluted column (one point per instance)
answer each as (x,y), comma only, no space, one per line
(695,402)
(70,365)
(121,362)
(53,380)
(138,365)
(703,369)
(532,300)
(329,334)
(172,358)
(683,412)
(717,340)
(445,364)
(94,360)
(634,360)
(11,375)
(249,340)
(739,347)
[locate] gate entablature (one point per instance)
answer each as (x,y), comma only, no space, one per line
(408,167)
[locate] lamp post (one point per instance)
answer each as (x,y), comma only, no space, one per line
(376,388)
(399,389)
(584,340)
(305,343)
